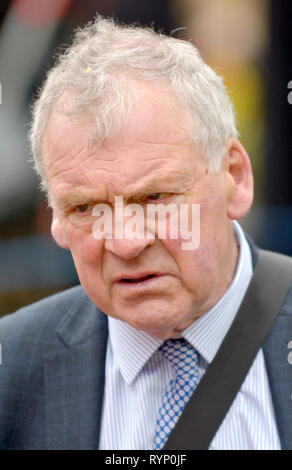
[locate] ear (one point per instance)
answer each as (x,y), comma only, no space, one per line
(58,231)
(239,180)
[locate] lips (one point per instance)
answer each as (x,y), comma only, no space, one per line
(134,279)
(138,285)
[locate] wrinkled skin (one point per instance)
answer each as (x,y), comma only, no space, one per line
(152,160)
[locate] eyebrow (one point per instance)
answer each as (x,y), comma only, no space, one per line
(179,184)
(76,198)
(72,199)
(156,187)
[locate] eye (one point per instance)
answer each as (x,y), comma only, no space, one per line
(82,208)
(157,196)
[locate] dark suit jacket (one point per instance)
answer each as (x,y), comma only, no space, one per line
(53,365)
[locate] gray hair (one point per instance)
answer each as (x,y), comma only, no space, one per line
(100,70)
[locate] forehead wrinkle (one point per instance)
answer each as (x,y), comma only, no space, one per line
(178,180)
(78,196)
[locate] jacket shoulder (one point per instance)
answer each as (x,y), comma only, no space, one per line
(43,313)
(29,333)
(26,337)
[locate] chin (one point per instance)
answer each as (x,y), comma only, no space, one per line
(156,321)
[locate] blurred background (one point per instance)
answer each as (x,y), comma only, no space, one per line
(247,41)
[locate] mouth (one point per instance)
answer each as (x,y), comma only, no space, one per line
(137,279)
(131,287)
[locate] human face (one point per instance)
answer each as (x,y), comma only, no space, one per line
(153,156)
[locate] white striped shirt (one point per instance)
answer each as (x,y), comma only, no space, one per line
(137,376)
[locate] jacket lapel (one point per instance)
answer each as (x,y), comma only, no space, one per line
(278,368)
(280,371)
(74,379)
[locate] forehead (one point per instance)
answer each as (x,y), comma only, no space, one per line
(153,145)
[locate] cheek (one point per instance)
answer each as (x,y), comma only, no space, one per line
(197,266)
(86,251)
(194,266)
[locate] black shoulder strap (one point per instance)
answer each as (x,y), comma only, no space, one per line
(216,391)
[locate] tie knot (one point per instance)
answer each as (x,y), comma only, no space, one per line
(181,355)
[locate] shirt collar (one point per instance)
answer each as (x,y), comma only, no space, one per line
(133,348)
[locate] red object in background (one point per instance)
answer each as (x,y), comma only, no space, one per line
(41,13)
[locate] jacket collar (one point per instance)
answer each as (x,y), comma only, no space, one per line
(280,371)
(277,365)
(253,249)
(74,378)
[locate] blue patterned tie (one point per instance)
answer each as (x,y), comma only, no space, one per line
(184,360)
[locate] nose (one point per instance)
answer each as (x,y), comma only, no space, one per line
(127,248)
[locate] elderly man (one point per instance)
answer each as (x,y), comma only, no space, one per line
(131,116)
